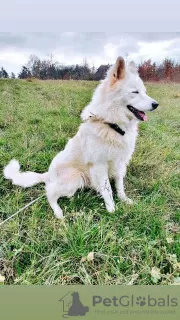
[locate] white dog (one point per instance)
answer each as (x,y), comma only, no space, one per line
(103,145)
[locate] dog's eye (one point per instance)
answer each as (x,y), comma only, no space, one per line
(135,92)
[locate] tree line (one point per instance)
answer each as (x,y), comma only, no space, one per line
(47,69)
(4,74)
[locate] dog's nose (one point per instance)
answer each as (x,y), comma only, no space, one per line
(155,105)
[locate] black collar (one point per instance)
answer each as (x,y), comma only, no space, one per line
(116,128)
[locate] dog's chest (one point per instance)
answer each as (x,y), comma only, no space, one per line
(104,148)
(124,147)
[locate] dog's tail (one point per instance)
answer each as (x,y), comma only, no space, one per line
(23,179)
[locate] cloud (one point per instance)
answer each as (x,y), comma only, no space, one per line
(155,51)
(96,47)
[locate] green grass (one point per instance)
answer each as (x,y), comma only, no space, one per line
(36,120)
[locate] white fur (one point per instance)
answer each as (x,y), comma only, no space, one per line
(23,179)
(97,152)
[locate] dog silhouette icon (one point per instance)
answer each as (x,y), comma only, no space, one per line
(77,308)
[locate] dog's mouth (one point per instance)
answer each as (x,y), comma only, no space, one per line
(140,115)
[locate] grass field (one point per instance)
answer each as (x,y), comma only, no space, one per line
(134,245)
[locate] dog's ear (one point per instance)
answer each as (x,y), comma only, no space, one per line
(119,69)
(132,67)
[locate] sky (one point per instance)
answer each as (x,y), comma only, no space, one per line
(95,47)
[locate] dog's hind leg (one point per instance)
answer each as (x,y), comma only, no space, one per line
(53,196)
(65,185)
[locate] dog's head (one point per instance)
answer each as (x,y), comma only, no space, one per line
(125,81)
(121,96)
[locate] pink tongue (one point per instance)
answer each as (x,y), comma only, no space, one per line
(144,116)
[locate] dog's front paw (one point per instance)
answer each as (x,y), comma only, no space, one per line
(110,208)
(126,200)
